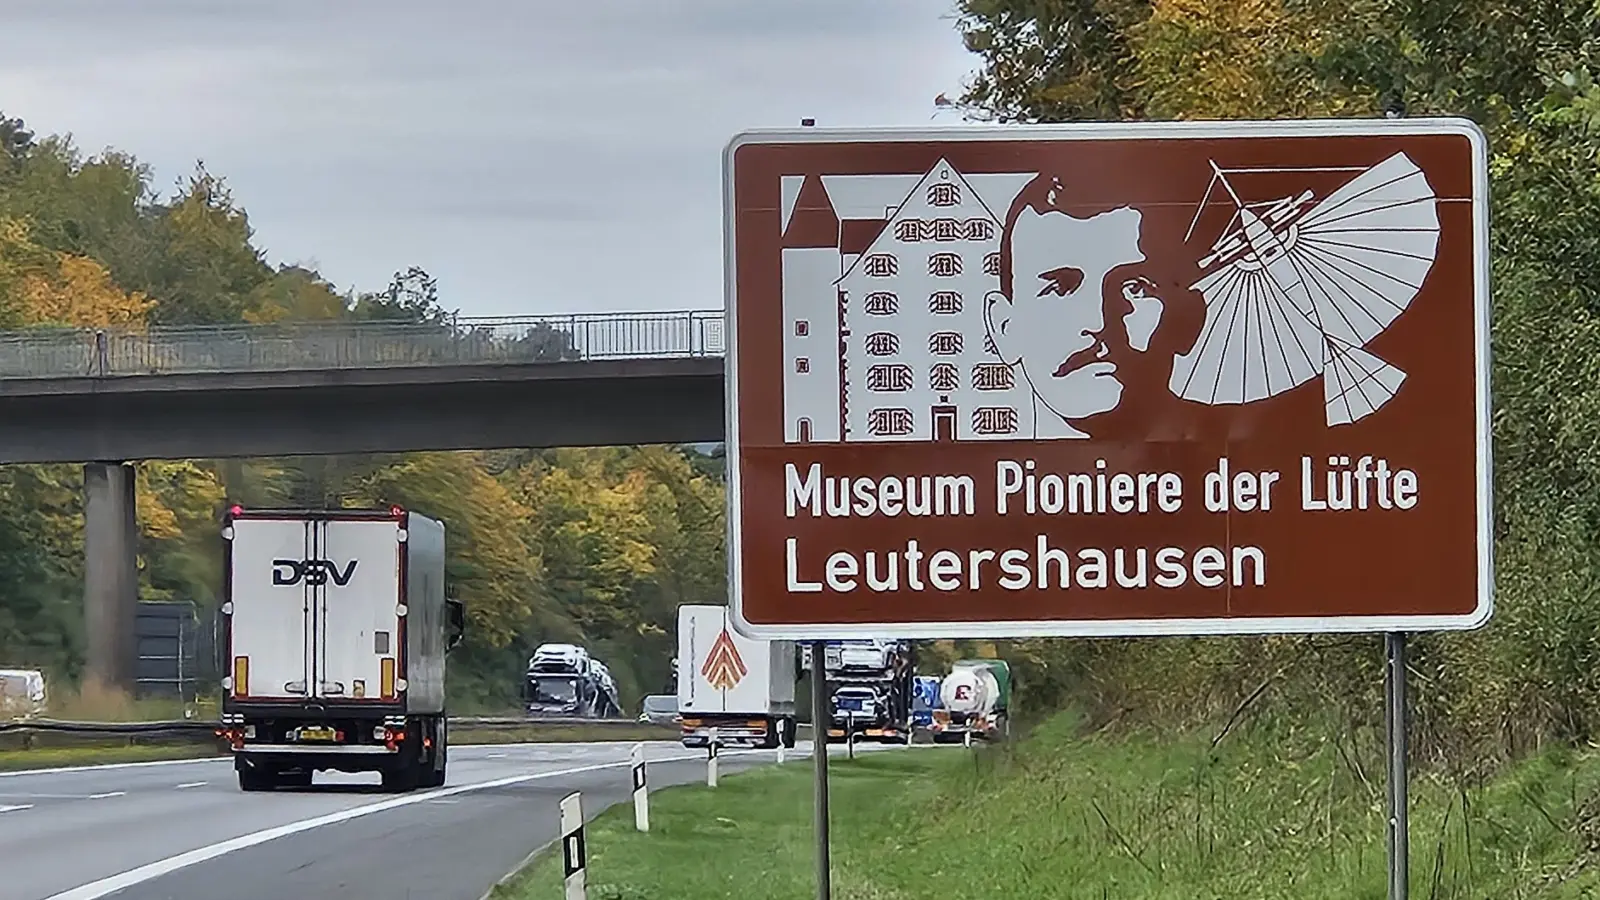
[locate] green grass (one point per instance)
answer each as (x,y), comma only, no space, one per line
(52,757)
(1271,813)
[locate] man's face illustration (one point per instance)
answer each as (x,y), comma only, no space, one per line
(1079,304)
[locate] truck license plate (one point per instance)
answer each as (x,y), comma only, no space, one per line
(316,734)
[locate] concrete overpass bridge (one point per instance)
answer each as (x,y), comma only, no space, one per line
(102,397)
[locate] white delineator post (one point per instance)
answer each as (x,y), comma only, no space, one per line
(641,795)
(574,857)
(711,759)
(781,736)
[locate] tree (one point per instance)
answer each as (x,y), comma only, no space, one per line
(16,141)
(1524,71)
(412,296)
(1052,60)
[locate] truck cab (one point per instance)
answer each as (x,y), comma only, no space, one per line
(561,694)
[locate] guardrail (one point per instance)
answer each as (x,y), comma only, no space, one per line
(461,340)
(199,727)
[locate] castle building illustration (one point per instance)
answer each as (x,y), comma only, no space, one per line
(883,284)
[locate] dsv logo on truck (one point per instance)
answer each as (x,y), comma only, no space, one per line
(312,571)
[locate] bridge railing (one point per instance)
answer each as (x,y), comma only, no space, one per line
(162,350)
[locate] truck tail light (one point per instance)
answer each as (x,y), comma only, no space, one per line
(386,677)
(241,676)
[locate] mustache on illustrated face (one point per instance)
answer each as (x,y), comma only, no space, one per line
(1097,351)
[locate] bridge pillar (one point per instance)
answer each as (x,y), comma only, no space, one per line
(110,574)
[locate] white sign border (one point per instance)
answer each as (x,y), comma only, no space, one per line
(1100,131)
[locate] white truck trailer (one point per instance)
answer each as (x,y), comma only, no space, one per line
(741,687)
(336,626)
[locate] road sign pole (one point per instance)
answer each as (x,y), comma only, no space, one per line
(1394,702)
(641,794)
(819,755)
(819,742)
(574,857)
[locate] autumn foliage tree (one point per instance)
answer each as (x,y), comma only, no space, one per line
(1526,72)
(595,546)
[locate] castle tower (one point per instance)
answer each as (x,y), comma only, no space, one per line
(812,388)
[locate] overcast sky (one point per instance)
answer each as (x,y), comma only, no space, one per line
(535,156)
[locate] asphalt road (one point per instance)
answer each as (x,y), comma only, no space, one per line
(184,831)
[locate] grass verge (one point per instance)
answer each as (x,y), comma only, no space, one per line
(1271,812)
(54,757)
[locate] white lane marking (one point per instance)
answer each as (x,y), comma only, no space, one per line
(496,756)
(105,886)
(16,807)
(192,784)
(108,795)
(32,796)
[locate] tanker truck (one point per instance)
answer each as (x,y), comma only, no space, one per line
(974,698)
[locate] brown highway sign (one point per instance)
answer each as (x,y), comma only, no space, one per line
(1109,379)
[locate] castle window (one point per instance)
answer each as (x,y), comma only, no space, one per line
(802,365)
(889,421)
(908,230)
(947,230)
(881,265)
(993,377)
(889,378)
(944,194)
(882,343)
(945,343)
(944,303)
(944,377)
(991,264)
(944,265)
(881,303)
(994,420)
(979,229)
(801,328)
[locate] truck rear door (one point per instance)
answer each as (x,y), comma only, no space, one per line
(270,623)
(358,623)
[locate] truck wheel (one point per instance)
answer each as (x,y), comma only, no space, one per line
(402,778)
(410,767)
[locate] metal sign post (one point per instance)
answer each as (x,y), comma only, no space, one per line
(1394,703)
(574,857)
(819,755)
